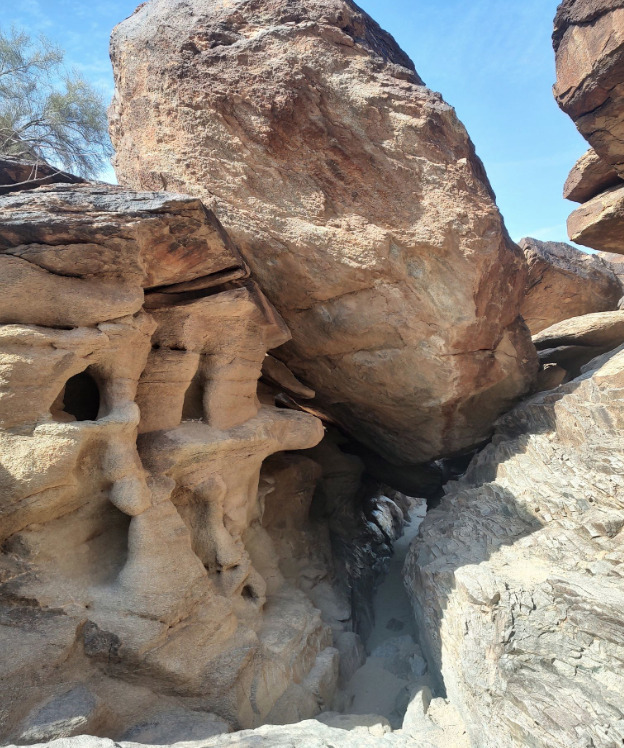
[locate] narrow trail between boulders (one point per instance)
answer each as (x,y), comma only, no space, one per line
(392,690)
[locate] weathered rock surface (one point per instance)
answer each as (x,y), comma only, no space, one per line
(599,223)
(565,282)
(589,46)
(589,177)
(516,578)
(615,262)
(356,197)
(137,579)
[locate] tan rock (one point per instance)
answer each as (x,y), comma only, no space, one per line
(137,566)
(597,330)
(565,282)
(16,174)
(280,375)
(355,196)
(589,177)
(616,263)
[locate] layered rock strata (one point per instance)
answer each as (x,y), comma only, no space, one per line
(589,46)
(356,197)
(564,282)
(137,575)
(516,577)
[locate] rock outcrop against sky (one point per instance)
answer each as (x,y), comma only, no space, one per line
(356,197)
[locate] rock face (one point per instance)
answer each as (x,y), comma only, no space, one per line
(615,262)
(565,282)
(516,578)
(355,196)
(138,575)
(599,222)
(589,46)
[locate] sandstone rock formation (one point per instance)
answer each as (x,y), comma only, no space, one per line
(599,222)
(564,282)
(355,196)
(137,577)
(516,578)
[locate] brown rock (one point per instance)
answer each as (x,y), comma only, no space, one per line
(589,177)
(598,330)
(23,175)
(565,282)
(589,45)
(279,374)
(599,223)
(96,231)
(356,197)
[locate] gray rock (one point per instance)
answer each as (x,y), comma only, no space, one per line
(63,716)
(177,726)
(516,577)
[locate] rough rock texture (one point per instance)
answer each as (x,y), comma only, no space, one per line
(616,263)
(599,223)
(565,282)
(136,576)
(589,46)
(516,578)
(357,731)
(589,177)
(356,197)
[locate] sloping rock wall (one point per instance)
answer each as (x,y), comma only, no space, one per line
(516,577)
(354,194)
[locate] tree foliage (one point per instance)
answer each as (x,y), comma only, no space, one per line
(48,113)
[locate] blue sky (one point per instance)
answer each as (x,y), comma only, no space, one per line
(491,60)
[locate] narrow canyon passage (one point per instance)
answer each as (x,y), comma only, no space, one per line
(394,667)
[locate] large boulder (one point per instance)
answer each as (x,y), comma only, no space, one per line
(356,197)
(599,223)
(565,282)
(516,578)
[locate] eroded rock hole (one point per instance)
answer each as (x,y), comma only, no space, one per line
(248,593)
(81,398)
(193,408)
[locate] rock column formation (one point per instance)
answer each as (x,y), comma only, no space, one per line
(355,196)
(135,570)
(589,46)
